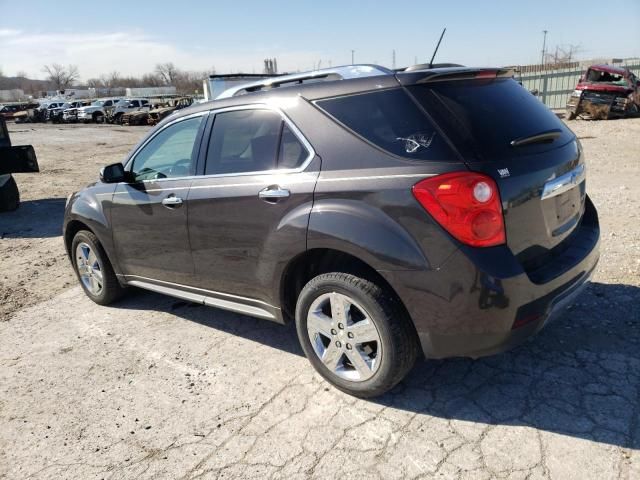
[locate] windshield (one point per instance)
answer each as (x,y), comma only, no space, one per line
(605,77)
(98,103)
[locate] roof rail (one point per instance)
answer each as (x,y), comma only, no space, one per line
(338,73)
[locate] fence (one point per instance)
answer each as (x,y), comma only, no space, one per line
(554,85)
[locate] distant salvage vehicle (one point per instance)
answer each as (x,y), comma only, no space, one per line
(9,111)
(69,113)
(98,111)
(139,117)
(127,105)
(18,159)
(158,114)
(605,92)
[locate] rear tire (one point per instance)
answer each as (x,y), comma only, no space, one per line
(9,196)
(98,117)
(94,271)
(374,328)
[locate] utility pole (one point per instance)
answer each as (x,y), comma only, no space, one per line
(544,45)
(352,56)
(393,59)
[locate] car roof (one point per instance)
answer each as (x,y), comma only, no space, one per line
(609,69)
(328,82)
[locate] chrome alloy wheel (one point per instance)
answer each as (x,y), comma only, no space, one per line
(89,268)
(344,337)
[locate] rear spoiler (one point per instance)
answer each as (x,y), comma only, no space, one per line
(414,77)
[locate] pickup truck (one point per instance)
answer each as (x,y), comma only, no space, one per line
(18,159)
(605,92)
(98,111)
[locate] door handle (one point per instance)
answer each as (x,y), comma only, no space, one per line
(273,194)
(172,201)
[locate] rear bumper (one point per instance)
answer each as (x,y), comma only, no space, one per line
(481,302)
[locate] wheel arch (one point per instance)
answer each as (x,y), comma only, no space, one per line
(70,231)
(316,261)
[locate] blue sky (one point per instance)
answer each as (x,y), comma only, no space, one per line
(131,37)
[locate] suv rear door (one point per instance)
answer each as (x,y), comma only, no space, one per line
(252,202)
(507,133)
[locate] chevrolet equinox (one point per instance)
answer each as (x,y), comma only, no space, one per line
(431,212)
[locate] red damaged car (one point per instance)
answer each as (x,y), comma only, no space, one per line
(605,92)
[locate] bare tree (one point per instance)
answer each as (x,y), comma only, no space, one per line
(151,80)
(563,54)
(111,80)
(61,76)
(167,72)
(95,83)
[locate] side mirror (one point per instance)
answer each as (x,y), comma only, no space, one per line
(113,173)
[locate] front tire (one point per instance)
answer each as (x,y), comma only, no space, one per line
(94,270)
(98,117)
(355,334)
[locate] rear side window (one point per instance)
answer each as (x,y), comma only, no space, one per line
(483,116)
(292,152)
(392,121)
(243,141)
(257,140)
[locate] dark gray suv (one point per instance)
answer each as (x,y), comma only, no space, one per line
(390,214)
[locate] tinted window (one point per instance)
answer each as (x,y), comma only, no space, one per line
(484,116)
(243,141)
(170,153)
(292,152)
(392,121)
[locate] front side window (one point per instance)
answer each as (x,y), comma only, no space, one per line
(170,154)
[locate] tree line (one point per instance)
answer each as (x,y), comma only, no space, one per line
(60,77)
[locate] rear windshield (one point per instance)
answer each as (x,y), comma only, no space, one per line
(391,120)
(482,117)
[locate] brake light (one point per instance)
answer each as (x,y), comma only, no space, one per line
(465,204)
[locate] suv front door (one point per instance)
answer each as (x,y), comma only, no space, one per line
(251,204)
(149,214)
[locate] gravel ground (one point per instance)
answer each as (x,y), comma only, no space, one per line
(156,388)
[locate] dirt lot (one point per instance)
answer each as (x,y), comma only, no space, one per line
(156,388)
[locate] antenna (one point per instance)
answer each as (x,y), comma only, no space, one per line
(437,47)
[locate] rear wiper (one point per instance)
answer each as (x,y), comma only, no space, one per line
(543,137)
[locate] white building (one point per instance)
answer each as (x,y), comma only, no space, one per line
(11,95)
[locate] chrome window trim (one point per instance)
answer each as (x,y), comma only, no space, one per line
(292,126)
(254,106)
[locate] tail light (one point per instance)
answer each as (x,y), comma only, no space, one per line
(465,204)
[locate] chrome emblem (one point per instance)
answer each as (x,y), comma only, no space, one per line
(504,172)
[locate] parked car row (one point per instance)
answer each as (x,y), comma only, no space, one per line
(128,111)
